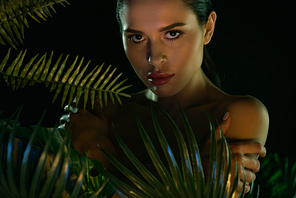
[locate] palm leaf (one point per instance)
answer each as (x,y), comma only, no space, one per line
(13,17)
(156,160)
(221,163)
(195,158)
(212,179)
(227,176)
(100,189)
(40,70)
(61,185)
(136,180)
(122,187)
(90,184)
(12,187)
(188,183)
(9,159)
(25,162)
(277,177)
(34,190)
(176,173)
(4,188)
(53,174)
(52,140)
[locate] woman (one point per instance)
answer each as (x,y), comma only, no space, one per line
(164,41)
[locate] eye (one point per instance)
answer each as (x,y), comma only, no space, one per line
(174,34)
(136,39)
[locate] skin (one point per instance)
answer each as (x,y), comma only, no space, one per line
(148,29)
(182,56)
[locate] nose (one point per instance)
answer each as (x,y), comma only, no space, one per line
(156,56)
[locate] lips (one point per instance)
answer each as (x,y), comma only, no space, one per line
(159,78)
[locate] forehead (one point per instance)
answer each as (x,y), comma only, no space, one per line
(136,13)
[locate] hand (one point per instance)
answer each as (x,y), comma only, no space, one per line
(246,153)
(87,130)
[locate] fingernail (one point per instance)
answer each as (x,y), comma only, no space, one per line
(226,116)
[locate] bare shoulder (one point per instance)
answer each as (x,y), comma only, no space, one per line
(247,105)
(249,119)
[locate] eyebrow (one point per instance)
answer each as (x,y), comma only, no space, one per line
(160,30)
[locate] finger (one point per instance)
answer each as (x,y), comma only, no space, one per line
(224,125)
(251,164)
(243,171)
(249,176)
(240,187)
(248,162)
(65,118)
(248,148)
(247,187)
(71,108)
(62,126)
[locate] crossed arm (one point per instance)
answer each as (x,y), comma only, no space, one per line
(245,129)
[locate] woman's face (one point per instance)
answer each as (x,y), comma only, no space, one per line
(164,43)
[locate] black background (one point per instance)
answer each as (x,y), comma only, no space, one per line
(253,48)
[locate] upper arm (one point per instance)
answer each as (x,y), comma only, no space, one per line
(249,120)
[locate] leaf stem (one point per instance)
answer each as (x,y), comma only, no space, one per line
(65,83)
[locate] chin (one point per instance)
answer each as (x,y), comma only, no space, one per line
(163,92)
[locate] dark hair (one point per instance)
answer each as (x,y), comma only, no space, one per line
(202,9)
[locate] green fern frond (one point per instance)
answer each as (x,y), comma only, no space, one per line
(13,15)
(187,180)
(30,171)
(40,70)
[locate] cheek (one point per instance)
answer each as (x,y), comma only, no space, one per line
(196,55)
(190,54)
(195,47)
(136,58)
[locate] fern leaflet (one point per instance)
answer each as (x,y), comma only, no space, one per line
(73,81)
(13,15)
